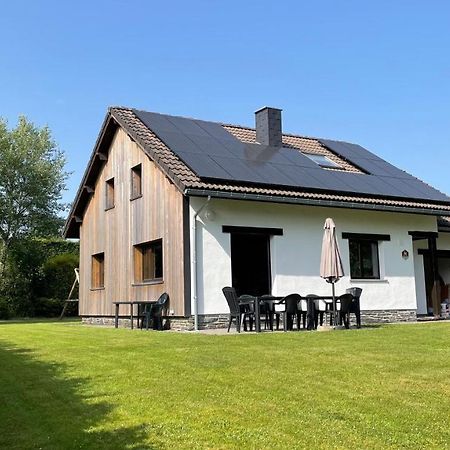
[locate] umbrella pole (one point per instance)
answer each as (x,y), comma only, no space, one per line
(334,305)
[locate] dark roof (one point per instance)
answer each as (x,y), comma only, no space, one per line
(191,153)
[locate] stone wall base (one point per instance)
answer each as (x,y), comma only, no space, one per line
(214,321)
(387,316)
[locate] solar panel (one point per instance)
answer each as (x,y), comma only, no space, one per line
(211,152)
(297,158)
(204,166)
(300,177)
(383,176)
(348,150)
(187,126)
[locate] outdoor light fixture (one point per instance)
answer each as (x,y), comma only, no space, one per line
(210,215)
(405,254)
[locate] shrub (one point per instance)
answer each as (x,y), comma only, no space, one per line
(5,309)
(38,268)
(48,307)
(59,275)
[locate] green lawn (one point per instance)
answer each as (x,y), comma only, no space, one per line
(67,386)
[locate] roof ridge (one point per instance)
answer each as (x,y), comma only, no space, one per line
(224,124)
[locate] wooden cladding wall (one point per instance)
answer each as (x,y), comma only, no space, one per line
(157,214)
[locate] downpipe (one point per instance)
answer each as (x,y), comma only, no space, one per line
(194,261)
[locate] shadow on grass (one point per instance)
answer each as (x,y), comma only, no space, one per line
(42,408)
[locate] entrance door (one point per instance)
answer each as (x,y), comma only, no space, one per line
(250,263)
(443,275)
(429,281)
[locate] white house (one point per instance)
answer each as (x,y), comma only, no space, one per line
(188,206)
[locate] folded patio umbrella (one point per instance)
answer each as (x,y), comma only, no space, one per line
(330,263)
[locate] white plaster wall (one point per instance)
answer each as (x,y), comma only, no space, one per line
(296,254)
(443,241)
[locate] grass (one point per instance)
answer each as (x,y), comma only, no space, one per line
(67,386)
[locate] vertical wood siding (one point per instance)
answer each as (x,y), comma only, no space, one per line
(157,214)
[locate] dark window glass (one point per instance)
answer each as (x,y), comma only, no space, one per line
(148,261)
(364,262)
(136,181)
(98,271)
(109,198)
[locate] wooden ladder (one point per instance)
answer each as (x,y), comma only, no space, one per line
(71,300)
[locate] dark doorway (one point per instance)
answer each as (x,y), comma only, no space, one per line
(443,269)
(250,263)
(429,281)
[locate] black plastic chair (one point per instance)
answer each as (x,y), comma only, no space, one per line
(355,307)
(290,311)
(247,308)
(154,313)
(317,314)
(311,316)
(302,312)
(266,309)
(345,302)
(237,312)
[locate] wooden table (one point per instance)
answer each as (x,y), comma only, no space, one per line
(131,303)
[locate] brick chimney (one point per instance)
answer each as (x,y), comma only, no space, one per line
(268,126)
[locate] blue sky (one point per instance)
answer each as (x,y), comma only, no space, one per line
(374,73)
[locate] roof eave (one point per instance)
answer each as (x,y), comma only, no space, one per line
(101,147)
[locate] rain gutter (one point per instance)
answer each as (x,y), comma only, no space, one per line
(313,202)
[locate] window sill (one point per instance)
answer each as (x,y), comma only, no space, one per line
(147,283)
(369,280)
(110,207)
(135,198)
(98,289)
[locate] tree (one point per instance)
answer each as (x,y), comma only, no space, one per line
(32,179)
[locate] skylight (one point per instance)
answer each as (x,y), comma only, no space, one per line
(322,160)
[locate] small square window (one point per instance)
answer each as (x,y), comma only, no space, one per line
(322,160)
(98,271)
(109,196)
(148,262)
(364,260)
(136,181)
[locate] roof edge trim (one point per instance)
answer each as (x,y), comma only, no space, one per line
(310,202)
(108,122)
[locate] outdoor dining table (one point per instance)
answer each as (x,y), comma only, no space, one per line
(257,300)
(309,314)
(328,299)
(131,303)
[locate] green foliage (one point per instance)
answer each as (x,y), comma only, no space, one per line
(38,268)
(32,178)
(374,388)
(5,309)
(59,275)
(47,307)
